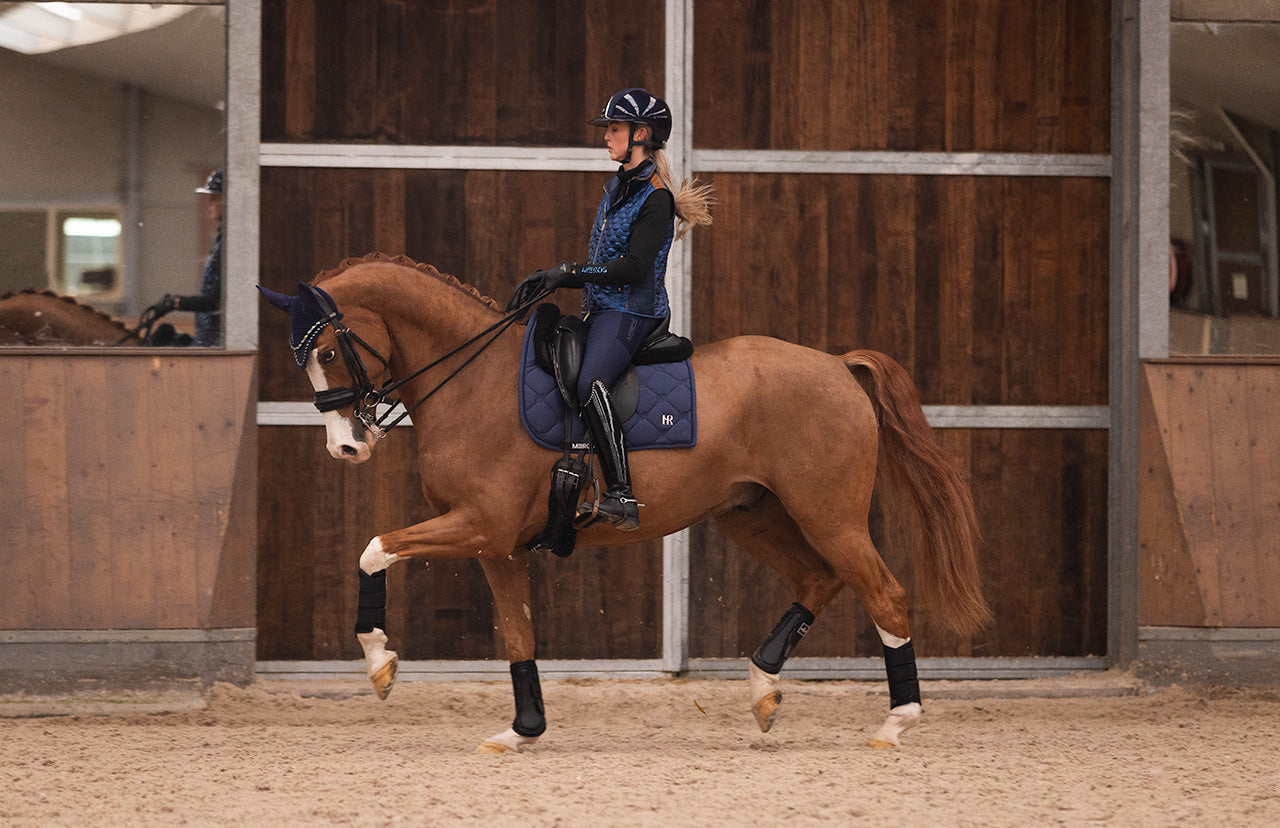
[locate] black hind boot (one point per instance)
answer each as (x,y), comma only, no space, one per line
(618,505)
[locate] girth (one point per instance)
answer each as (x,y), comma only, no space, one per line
(560,343)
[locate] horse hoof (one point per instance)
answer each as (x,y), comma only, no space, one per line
(507,741)
(901,719)
(766,709)
(384,677)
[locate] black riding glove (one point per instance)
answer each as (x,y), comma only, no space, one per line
(167,304)
(562,275)
(545,282)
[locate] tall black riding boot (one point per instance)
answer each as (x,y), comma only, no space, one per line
(618,505)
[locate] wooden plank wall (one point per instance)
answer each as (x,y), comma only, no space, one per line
(990,290)
(127,491)
(505,72)
(946,75)
(1042,504)
(1209,533)
(316,516)
(956,277)
(445,72)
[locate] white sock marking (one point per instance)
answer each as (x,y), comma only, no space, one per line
(890,640)
(373,559)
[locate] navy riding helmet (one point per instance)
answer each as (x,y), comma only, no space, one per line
(213,184)
(638,106)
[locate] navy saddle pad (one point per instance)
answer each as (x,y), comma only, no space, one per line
(665,417)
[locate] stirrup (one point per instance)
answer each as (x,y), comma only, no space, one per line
(619,509)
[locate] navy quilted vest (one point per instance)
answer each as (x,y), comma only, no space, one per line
(610,236)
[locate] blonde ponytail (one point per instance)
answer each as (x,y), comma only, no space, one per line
(694,199)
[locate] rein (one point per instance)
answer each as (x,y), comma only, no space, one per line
(364,398)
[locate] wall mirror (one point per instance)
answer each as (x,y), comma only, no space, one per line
(1224,279)
(114,117)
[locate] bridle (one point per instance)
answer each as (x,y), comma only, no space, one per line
(361,395)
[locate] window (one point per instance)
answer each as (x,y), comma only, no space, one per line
(114,116)
(1224,276)
(76,252)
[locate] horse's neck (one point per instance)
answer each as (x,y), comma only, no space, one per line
(427,318)
(47,317)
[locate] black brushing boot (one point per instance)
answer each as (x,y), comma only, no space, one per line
(618,505)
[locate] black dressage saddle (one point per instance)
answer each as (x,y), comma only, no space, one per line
(560,341)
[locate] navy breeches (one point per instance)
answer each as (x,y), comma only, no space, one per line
(613,337)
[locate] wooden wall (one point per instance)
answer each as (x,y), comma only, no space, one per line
(510,72)
(946,75)
(957,277)
(599,603)
(127,490)
(991,290)
(1210,509)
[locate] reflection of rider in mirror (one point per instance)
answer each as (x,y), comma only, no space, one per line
(207,303)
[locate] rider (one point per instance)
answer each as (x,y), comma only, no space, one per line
(207,303)
(624,278)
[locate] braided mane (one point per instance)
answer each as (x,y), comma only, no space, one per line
(405,261)
(69,300)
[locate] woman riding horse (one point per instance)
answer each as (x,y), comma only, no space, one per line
(624,279)
(382,326)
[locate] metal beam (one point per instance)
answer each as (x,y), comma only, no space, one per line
(902,163)
(847,669)
(939,416)
(244,118)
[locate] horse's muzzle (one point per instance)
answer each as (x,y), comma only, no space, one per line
(348,439)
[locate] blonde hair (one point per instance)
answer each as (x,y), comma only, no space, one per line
(694,199)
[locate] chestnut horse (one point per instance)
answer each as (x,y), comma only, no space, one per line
(785,464)
(42,317)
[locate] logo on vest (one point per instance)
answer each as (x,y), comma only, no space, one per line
(668,420)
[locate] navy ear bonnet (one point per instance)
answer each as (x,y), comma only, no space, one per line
(309,312)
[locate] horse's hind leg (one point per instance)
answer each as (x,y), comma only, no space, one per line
(860,566)
(769,534)
(509,582)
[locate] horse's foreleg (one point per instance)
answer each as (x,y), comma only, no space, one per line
(371,624)
(448,536)
(509,581)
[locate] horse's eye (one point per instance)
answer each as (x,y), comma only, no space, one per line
(328,356)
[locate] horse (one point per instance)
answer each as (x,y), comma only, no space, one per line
(791,442)
(42,317)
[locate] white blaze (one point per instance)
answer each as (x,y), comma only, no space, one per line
(340,432)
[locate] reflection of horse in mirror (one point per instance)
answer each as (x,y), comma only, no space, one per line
(785,463)
(42,317)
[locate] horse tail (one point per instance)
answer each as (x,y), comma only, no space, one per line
(939,520)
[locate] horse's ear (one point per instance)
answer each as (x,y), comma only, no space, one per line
(279,300)
(316,303)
